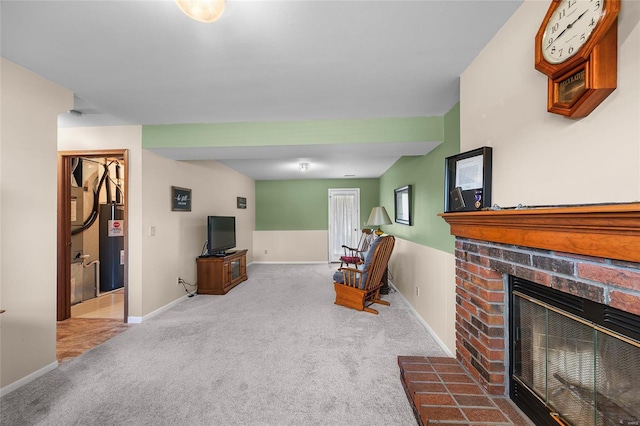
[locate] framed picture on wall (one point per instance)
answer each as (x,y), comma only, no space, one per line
(402,203)
(180,199)
(467,181)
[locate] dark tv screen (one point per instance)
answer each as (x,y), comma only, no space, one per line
(221,234)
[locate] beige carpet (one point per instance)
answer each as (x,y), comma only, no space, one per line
(273,351)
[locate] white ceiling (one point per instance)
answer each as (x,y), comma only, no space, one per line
(144,62)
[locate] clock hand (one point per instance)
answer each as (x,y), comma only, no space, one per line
(568,26)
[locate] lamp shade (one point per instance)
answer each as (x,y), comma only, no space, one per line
(202,10)
(378,217)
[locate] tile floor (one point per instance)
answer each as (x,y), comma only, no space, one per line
(440,391)
(109,305)
(77,335)
(92,322)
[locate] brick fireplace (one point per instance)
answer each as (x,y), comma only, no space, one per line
(592,252)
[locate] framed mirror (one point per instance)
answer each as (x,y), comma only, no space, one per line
(402,202)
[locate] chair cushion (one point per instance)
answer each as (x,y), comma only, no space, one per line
(338,276)
(350,259)
(368,258)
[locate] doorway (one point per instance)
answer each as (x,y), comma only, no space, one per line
(92,235)
(344,220)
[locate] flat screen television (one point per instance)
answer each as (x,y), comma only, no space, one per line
(221,234)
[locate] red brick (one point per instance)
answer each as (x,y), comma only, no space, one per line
(413,376)
(491,319)
(442,360)
(473,400)
(615,277)
(469,307)
(491,296)
(489,273)
(493,343)
(625,301)
(462,313)
(428,413)
(464,275)
(492,415)
(433,399)
(464,389)
(542,278)
(448,368)
(471,268)
(470,287)
(418,387)
(411,359)
(487,283)
(578,288)
(415,367)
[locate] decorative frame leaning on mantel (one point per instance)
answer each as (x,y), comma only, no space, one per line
(467,180)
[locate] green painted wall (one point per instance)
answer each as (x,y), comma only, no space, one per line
(317,132)
(426,174)
(304,204)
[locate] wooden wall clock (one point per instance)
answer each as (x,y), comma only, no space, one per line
(577,48)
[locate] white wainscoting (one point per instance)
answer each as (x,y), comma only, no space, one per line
(290,246)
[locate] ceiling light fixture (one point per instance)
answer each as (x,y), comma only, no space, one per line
(202,10)
(303,167)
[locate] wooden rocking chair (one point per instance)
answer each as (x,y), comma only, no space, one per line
(355,256)
(360,288)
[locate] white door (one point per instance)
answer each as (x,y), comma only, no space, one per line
(344,218)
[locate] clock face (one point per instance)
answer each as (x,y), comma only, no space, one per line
(569,28)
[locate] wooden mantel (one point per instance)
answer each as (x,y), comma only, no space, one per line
(610,231)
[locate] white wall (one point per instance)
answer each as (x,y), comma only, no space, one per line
(156,262)
(541,158)
(28,175)
(180,236)
(433,271)
(291,246)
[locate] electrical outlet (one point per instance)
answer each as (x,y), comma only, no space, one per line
(179,281)
(265,252)
(417,291)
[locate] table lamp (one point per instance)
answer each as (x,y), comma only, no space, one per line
(378,217)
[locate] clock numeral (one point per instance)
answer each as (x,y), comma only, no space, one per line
(561,14)
(550,42)
(583,37)
(560,52)
(555,28)
(597,5)
(593,22)
(570,51)
(553,50)
(571,3)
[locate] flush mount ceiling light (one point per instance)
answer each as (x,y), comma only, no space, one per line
(303,167)
(202,10)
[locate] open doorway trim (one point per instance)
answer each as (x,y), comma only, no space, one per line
(64,227)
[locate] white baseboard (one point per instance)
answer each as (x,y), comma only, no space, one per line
(28,379)
(424,323)
(138,320)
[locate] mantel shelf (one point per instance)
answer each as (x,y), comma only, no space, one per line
(609,230)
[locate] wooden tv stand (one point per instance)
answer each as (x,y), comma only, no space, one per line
(218,275)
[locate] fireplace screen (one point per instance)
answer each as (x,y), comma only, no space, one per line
(583,373)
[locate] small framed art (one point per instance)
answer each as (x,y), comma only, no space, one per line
(180,199)
(402,202)
(467,181)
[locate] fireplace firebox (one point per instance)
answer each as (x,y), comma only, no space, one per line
(572,360)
